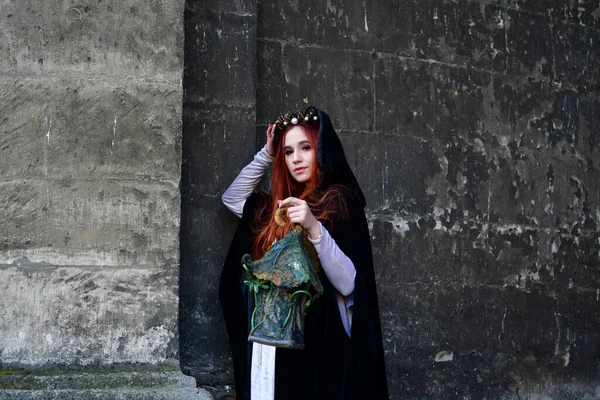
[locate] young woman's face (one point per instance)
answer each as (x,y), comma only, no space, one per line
(299,155)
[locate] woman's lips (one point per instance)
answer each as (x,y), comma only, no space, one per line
(300,170)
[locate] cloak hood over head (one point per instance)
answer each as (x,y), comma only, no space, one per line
(332,160)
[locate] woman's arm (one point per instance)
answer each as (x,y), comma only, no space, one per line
(337,266)
(244,184)
(242,187)
(341,273)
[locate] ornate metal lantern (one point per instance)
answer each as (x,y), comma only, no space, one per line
(284,283)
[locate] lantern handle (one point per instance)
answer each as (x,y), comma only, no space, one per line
(279,218)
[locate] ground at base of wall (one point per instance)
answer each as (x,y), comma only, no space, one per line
(105,384)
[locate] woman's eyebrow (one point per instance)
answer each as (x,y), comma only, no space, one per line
(302,142)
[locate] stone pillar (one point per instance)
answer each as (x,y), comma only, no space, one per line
(90,155)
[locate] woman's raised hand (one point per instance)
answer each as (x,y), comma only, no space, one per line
(299,213)
(270,137)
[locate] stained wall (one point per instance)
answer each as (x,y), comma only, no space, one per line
(90,164)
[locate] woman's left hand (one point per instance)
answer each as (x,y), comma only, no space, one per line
(299,213)
(270,138)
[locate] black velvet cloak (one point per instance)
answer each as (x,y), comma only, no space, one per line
(332,365)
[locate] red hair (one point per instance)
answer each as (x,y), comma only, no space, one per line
(324,204)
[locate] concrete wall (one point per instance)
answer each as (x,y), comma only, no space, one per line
(90,144)
(473,129)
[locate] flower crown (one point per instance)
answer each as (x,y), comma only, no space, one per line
(293,118)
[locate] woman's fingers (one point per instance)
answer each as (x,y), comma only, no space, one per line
(298,212)
(290,202)
(270,137)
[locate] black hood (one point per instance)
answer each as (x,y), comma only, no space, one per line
(332,159)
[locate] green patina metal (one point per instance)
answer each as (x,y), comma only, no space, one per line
(284,283)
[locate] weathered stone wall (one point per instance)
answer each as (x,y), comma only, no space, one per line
(218,135)
(473,127)
(90,161)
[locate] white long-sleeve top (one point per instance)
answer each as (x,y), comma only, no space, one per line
(338,268)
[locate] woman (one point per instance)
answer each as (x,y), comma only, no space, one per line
(343,354)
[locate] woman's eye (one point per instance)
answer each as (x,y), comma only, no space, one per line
(306,148)
(288,152)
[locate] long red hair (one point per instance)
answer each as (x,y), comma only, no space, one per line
(326,205)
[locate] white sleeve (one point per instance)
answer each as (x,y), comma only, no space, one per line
(337,266)
(244,184)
